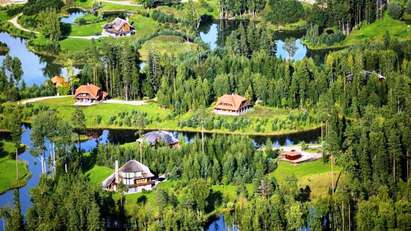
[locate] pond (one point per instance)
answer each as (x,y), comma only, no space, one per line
(36,68)
(121,136)
(288,45)
(73,15)
(219,224)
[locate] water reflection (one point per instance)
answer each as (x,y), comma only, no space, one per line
(71,18)
(36,68)
(121,136)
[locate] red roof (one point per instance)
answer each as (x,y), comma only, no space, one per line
(89,89)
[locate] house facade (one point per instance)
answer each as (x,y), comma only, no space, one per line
(232,105)
(133,175)
(89,94)
(118,27)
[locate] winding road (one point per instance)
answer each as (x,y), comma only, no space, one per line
(16,24)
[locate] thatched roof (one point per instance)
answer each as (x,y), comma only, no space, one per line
(133,166)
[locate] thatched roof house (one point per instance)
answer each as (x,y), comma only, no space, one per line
(134,175)
(160,137)
(232,105)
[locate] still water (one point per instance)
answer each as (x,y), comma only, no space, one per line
(215,33)
(37,69)
(71,18)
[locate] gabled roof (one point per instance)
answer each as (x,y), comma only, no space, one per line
(230,102)
(90,89)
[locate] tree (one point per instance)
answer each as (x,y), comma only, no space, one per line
(14,219)
(50,27)
(283,11)
(394,10)
(78,120)
(290,47)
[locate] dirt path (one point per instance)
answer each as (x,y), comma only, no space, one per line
(116,101)
(32,100)
(16,24)
(124,3)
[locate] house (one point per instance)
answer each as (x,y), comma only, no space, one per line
(133,175)
(232,105)
(160,138)
(89,94)
(292,154)
(296,155)
(119,27)
(59,81)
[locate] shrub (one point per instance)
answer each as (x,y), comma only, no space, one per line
(394,10)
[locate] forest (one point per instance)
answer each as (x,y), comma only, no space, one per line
(358,93)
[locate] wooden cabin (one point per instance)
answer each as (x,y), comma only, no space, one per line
(89,94)
(119,27)
(134,175)
(232,105)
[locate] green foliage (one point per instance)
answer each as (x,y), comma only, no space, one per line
(77,207)
(283,11)
(35,6)
(394,10)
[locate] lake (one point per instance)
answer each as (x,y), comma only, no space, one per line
(214,33)
(36,68)
(121,136)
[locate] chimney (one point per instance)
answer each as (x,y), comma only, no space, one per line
(116,172)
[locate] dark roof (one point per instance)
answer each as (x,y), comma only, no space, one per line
(159,136)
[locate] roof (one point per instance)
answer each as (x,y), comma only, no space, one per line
(230,102)
(292,152)
(58,81)
(117,24)
(159,136)
(133,166)
(90,89)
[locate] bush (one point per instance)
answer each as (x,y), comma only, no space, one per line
(394,10)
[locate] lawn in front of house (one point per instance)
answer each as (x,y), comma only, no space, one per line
(8,168)
(98,174)
(87,29)
(257,122)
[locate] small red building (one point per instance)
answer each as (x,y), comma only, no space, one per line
(292,154)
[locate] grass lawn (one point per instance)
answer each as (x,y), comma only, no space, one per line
(8,169)
(87,29)
(161,117)
(315,174)
(375,31)
(73,44)
(144,26)
(98,173)
(167,44)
